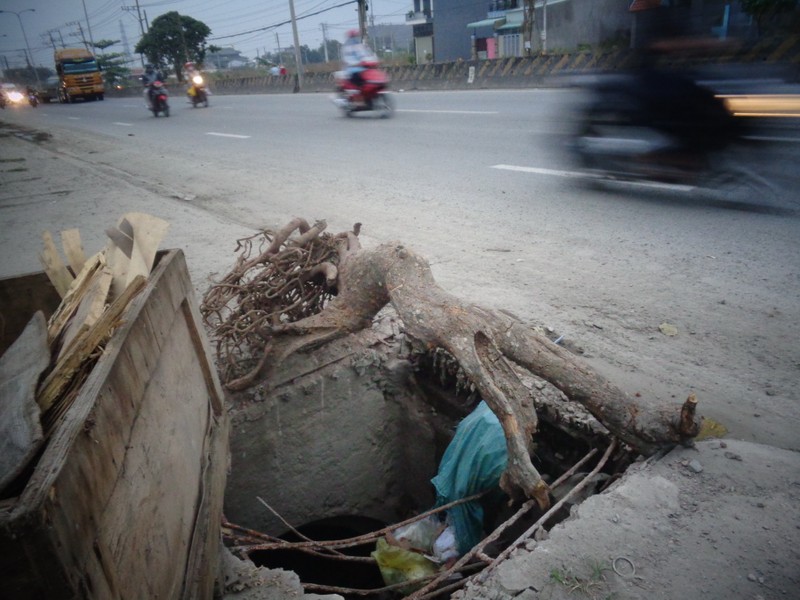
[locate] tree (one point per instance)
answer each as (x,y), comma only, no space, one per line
(174,39)
(765,10)
(115,71)
(103,44)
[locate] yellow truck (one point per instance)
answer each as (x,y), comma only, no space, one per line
(79,75)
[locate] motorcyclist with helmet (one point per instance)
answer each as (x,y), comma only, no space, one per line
(197,90)
(354,54)
(191,71)
(150,76)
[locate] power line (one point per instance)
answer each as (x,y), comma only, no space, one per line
(274,26)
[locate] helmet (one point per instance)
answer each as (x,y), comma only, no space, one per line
(353,33)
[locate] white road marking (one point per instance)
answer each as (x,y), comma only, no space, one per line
(230,135)
(123,124)
(767,138)
(539,171)
(451,112)
(675,187)
(74,118)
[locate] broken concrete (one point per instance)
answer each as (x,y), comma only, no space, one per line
(718,521)
(330,438)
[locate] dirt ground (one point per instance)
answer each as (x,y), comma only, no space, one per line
(713,522)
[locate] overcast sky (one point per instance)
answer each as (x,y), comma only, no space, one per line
(229,21)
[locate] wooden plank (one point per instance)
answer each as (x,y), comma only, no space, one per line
(161,497)
(148,231)
(73,249)
(76,291)
(54,266)
(88,312)
(59,377)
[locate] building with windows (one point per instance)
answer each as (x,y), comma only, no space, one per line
(488,29)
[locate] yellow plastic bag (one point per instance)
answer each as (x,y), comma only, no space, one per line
(399,566)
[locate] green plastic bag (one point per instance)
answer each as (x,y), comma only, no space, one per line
(399,566)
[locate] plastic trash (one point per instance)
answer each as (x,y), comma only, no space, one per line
(473,462)
(398,565)
(419,535)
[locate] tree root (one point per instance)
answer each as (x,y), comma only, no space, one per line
(490,347)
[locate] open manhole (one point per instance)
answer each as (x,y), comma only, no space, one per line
(346,443)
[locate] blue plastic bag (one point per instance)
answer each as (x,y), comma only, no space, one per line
(473,462)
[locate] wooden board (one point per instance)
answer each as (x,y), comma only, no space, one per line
(127,497)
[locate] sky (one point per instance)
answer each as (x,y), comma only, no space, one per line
(233,23)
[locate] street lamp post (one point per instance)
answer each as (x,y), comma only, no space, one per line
(27,46)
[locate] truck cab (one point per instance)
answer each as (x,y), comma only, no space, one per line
(79,75)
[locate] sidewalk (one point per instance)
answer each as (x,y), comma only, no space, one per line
(717,522)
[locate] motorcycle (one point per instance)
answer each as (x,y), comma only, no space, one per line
(197,92)
(158,99)
(652,127)
(371,95)
(33,98)
(14,98)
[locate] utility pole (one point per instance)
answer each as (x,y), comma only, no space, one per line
(52,41)
(297,58)
(83,37)
(325,40)
(138,16)
(88,26)
(278,43)
(29,55)
(544,28)
(141,22)
(362,18)
(60,37)
(528,19)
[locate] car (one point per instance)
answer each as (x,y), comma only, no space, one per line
(49,91)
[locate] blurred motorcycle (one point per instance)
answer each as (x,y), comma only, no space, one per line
(158,99)
(15,98)
(652,126)
(33,98)
(372,94)
(197,92)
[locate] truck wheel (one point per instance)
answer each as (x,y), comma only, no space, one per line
(101,96)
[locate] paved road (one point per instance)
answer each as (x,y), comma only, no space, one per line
(479,184)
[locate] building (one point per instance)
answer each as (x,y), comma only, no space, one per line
(226,58)
(449,30)
(421,19)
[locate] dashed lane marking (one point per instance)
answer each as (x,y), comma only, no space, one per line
(228,135)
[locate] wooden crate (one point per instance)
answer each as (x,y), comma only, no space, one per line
(126,498)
